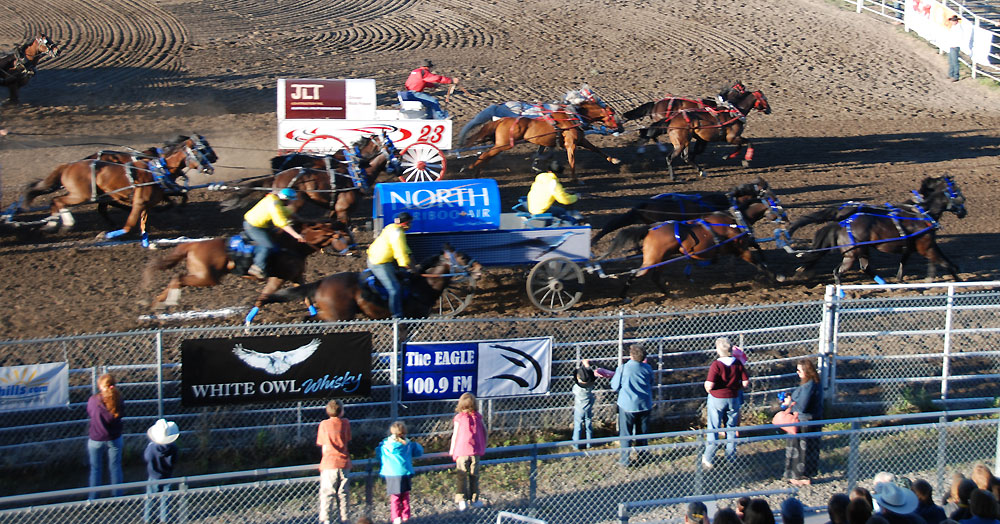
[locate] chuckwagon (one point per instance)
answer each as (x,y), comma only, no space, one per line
(466,214)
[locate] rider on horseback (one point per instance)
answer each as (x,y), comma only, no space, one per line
(270,211)
(420,79)
(546,190)
(388,252)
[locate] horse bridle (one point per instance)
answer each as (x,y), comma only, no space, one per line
(199,154)
(50,47)
(767,197)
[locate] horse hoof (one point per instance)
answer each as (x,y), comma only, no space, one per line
(745,163)
(779,278)
(615,161)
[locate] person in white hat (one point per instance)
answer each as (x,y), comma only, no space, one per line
(160,456)
(897,503)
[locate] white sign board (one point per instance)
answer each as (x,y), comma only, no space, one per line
(293,133)
(313,98)
(34,386)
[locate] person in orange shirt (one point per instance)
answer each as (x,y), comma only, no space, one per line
(333,435)
(422,78)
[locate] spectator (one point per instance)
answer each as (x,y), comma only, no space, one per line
(727,516)
(983,506)
(950,500)
(726,377)
(396,455)
(792,511)
(741,506)
(860,492)
(758,512)
(926,507)
(858,511)
(984,478)
(880,477)
(468,443)
(105,410)
(836,508)
(964,491)
(953,39)
(585,378)
(633,381)
(802,452)
(697,513)
(896,503)
(160,456)
(333,436)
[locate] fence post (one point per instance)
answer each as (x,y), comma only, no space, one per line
(621,337)
(972,56)
(622,513)
(182,512)
(942,451)
(852,455)
(827,352)
(369,486)
(860,4)
(532,476)
(298,420)
(393,379)
(159,373)
(996,456)
(946,358)
(659,370)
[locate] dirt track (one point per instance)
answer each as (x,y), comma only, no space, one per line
(862,111)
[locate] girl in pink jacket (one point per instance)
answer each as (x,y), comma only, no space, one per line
(468,443)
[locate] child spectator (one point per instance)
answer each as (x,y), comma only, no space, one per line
(984,479)
(396,455)
(836,509)
(926,507)
(333,435)
(983,506)
(758,512)
(727,516)
(741,506)
(863,493)
(696,513)
(963,491)
(468,443)
(792,511)
(160,456)
(858,511)
(585,378)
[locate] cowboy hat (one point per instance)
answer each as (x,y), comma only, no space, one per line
(895,498)
(163,432)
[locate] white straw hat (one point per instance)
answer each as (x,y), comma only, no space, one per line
(163,432)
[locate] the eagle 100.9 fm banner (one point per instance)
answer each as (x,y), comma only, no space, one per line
(263,369)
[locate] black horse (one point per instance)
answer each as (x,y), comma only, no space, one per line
(688,205)
(904,229)
(17,68)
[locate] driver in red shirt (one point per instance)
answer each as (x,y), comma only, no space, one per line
(422,78)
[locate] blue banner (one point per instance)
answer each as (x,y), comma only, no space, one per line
(448,205)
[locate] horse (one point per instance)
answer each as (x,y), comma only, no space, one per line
(706,125)
(701,239)
(558,125)
(688,205)
(138,185)
(331,181)
(17,68)
(207,261)
(671,105)
(343,296)
(904,229)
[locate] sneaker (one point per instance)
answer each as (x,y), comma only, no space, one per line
(256,271)
(462,505)
(397,520)
(477,504)
(706,464)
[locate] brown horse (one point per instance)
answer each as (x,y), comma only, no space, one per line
(563,126)
(139,184)
(17,68)
(207,261)
(342,296)
(331,181)
(703,239)
(699,126)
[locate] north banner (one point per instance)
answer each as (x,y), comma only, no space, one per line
(261,369)
(485,368)
(35,386)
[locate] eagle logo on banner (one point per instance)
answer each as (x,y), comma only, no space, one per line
(278,362)
(514,367)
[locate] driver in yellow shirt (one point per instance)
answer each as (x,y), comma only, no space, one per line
(388,252)
(546,191)
(270,211)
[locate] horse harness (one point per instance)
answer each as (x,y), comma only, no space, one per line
(716,239)
(16,65)
(893,213)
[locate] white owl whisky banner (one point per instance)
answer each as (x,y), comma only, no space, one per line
(244,370)
(485,368)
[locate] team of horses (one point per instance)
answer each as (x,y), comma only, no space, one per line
(18,67)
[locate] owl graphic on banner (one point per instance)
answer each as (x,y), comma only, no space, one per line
(514,367)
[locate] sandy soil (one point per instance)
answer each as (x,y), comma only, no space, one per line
(862,110)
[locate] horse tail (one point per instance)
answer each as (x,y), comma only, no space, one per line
(487,133)
(639,112)
(165,261)
(247,195)
(292,293)
(625,219)
(828,214)
(44,186)
(823,241)
(630,238)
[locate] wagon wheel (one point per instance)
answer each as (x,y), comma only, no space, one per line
(322,144)
(555,284)
(422,162)
(456,296)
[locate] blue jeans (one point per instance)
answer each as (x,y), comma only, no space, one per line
(722,413)
(386,274)
(265,244)
(562,214)
(433,106)
(98,451)
(953,63)
(583,414)
(148,504)
(632,423)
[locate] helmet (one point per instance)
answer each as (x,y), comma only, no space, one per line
(428,63)
(287,194)
(404,216)
(556,167)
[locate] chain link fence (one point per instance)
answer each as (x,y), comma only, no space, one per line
(558,484)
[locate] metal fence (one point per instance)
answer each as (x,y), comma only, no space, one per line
(892,10)
(555,483)
(880,348)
